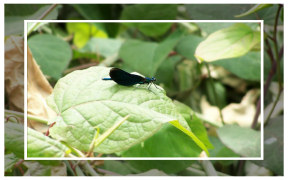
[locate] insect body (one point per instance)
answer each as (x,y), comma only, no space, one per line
(126,79)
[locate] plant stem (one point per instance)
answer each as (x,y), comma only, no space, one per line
(276,64)
(258,109)
(90,169)
(214,92)
(274,105)
(53,6)
(208,168)
(30,117)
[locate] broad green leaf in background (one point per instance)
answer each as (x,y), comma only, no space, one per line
(167,166)
(187,46)
(194,123)
(254,9)
(167,142)
(243,141)
(220,150)
(83,32)
(84,101)
(246,67)
(105,47)
(273,146)
(230,42)
(146,57)
(150,12)
(39,145)
(51,54)
(208,28)
(14,138)
(165,72)
(14,21)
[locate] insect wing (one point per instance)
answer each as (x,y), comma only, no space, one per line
(123,78)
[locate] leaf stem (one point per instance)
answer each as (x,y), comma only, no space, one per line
(30,117)
(214,92)
(208,168)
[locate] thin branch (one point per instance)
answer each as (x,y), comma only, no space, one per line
(274,105)
(272,69)
(276,64)
(46,13)
(258,110)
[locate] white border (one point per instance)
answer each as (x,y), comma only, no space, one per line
(144,158)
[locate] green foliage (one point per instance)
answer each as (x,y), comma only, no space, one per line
(273,146)
(52,64)
(83,32)
(102,46)
(243,141)
(168,166)
(234,41)
(150,12)
(15,16)
(247,66)
(14,140)
(146,57)
(39,145)
(84,101)
(169,51)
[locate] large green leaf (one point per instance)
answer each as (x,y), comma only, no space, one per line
(84,103)
(39,145)
(150,12)
(187,46)
(194,123)
(105,47)
(14,138)
(230,42)
(243,141)
(247,66)
(220,150)
(168,142)
(14,21)
(146,57)
(273,146)
(51,54)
